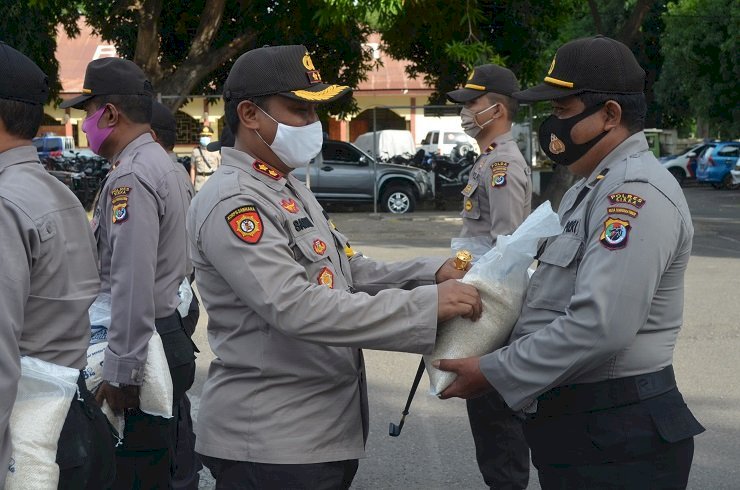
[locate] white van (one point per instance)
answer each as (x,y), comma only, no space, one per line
(443,142)
(391,142)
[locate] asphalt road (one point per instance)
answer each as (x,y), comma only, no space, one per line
(435,449)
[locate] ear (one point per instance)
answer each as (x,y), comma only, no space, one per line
(111,116)
(247,112)
(154,135)
(612,115)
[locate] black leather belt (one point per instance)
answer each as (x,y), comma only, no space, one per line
(205,174)
(587,397)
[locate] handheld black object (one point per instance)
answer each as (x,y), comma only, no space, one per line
(393,429)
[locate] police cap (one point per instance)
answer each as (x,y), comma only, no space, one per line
(111,76)
(227,139)
(284,70)
(483,79)
(592,64)
(23,80)
(162,118)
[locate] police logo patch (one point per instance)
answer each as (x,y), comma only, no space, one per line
(246,224)
(119,204)
(615,234)
(267,170)
(498,180)
(468,205)
(289,205)
(556,146)
(626,198)
(615,210)
(319,247)
(326,278)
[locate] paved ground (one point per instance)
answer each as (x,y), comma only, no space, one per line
(435,450)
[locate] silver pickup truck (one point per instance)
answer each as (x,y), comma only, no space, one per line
(343,172)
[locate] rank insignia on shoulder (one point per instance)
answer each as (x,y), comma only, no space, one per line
(246,224)
(627,198)
(326,278)
(615,234)
(467,189)
(498,180)
(319,247)
(119,204)
(468,205)
(265,169)
(289,205)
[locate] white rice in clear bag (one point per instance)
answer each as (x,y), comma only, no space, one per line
(501,277)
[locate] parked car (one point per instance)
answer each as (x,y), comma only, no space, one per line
(683,166)
(391,142)
(343,172)
(448,143)
(716,162)
(54,146)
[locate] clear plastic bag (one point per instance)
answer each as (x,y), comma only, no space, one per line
(99,311)
(185,293)
(45,393)
(501,277)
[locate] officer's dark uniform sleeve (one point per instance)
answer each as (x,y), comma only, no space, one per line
(269,281)
(605,302)
(133,239)
(16,242)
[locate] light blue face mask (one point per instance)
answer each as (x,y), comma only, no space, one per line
(204,140)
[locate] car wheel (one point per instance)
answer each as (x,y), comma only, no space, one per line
(398,200)
(727,183)
(678,173)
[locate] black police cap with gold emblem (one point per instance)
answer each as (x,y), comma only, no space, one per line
(592,64)
(284,70)
(484,79)
(22,79)
(111,76)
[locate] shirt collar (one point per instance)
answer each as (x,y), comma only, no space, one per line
(131,148)
(19,154)
(256,168)
(499,140)
(637,143)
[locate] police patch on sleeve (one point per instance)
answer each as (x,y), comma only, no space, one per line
(498,174)
(627,198)
(246,224)
(119,204)
(615,234)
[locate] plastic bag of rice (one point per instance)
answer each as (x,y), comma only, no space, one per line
(501,277)
(45,392)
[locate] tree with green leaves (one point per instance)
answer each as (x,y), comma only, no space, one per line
(31,28)
(188,47)
(699,80)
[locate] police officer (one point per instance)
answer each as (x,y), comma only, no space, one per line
(139,225)
(497,198)
(285,402)
(187,464)
(594,343)
(48,279)
(203,162)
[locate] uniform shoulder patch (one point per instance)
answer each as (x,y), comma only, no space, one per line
(119,204)
(246,224)
(498,174)
(615,233)
(627,198)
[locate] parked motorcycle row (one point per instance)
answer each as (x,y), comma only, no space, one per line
(450,171)
(82,174)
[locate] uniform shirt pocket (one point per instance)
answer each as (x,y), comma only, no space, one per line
(312,248)
(471,208)
(558,266)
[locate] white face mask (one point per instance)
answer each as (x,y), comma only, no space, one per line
(295,146)
(469,122)
(204,140)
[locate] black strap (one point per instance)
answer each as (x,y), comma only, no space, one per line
(393,429)
(204,159)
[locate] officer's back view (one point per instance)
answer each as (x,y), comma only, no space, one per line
(48,279)
(139,225)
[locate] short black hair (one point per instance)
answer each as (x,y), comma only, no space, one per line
(21,119)
(511,104)
(138,108)
(166,138)
(232,116)
(634,107)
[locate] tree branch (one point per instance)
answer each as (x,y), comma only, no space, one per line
(596,16)
(147,38)
(210,21)
(628,33)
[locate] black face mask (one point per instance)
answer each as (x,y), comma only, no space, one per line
(555,140)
